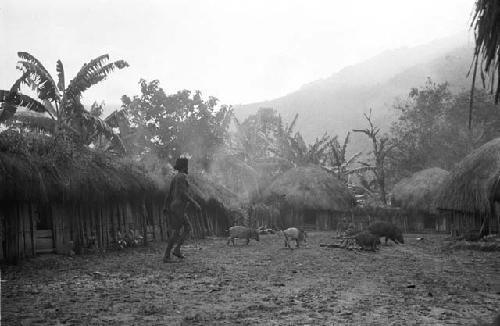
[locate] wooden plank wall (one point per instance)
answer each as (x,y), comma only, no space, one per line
(81,225)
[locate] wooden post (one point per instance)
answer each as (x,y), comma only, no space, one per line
(2,232)
(11,233)
(33,231)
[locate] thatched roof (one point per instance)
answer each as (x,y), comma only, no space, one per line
(37,167)
(204,188)
(310,187)
(474,181)
(419,190)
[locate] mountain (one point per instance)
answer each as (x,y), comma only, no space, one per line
(336,104)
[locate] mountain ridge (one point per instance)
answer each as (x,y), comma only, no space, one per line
(336,104)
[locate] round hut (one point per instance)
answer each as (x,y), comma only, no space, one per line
(310,197)
(469,197)
(416,194)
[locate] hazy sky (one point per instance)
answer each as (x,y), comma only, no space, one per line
(238,51)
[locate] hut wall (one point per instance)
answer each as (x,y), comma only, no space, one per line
(328,220)
(363,217)
(307,219)
(457,222)
(17,231)
(90,226)
(264,215)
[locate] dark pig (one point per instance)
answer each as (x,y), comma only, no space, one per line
(367,240)
(387,230)
(242,232)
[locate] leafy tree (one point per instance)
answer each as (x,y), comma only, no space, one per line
(171,125)
(255,137)
(432,131)
(60,102)
(419,127)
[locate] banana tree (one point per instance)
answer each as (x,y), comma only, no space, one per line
(337,161)
(60,102)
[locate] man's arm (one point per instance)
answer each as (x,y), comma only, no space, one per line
(184,190)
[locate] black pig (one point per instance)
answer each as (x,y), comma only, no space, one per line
(387,230)
(367,241)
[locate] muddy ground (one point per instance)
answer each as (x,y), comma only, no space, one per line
(263,283)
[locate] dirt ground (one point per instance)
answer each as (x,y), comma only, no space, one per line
(417,283)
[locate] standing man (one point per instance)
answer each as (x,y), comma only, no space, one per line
(175,204)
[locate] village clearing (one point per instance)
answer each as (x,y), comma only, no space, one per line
(418,283)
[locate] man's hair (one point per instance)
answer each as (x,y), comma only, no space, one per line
(181,164)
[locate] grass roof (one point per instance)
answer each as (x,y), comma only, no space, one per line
(310,187)
(419,190)
(37,167)
(472,185)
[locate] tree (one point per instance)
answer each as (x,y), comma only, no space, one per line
(265,136)
(255,137)
(59,102)
(171,125)
(337,161)
(382,146)
(419,128)
(486,24)
(431,130)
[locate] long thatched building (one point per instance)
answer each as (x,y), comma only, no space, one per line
(58,197)
(416,196)
(469,198)
(309,196)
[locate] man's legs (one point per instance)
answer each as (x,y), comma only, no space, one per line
(174,237)
(186,228)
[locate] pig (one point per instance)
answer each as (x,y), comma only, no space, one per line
(367,240)
(387,230)
(242,232)
(294,234)
(473,235)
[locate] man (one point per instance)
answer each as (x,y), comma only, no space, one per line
(175,204)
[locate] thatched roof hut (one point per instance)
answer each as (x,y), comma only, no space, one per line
(310,187)
(417,192)
(473,186)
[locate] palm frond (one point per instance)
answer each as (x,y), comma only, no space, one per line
(486,24)
(38,79)
(30,58)
(346,142)
(92,73)
(13,99)
(60,76)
